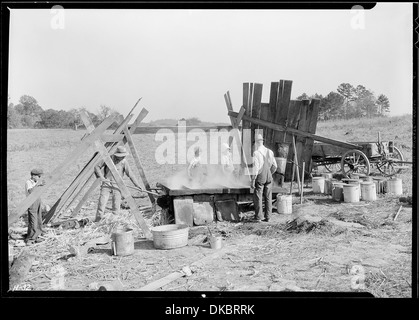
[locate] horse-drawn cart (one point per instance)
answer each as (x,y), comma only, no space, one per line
(363,158)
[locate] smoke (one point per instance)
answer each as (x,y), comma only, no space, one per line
(212,177)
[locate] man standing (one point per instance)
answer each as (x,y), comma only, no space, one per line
(227,160)
(264,165)
(109,185)
(196,171)
(36,209)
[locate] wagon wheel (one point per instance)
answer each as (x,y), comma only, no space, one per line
(387,167)
(355,161)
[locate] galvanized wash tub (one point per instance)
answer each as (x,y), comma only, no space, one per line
(170,236)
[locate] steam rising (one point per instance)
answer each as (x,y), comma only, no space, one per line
(214,178)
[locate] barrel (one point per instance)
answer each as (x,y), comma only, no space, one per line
(216,242)
(328,186)
(281,165)
(395,186)
(351,193)
(318,184)
(170,236)
(358,184)
(368,192)
(337,191)
(380,184)
(123,242)
(284,204)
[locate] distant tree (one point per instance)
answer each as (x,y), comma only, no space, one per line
(348,92)
(29,110)
(331,106)
(364,102)
(303,96)
(193,121)
(383,105)
(50,118)
(13,117)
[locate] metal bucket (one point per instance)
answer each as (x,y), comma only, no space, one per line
(170,236)
(337,191)
(318,184)
(123,242)
(284,204)
(216,242)
(351,193)
(281,165)
(368,192)
(394,186)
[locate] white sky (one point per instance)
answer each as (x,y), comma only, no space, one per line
(181,62)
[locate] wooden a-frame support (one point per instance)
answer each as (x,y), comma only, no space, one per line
(56,174)
(235,121)
(112,141)
(119,180)
(80,182)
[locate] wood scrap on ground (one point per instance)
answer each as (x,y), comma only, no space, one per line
(20,269)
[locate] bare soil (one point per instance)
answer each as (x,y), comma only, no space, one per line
(317,248)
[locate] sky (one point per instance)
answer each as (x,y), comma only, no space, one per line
(182,62)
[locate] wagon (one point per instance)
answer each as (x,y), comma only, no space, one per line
(362,159)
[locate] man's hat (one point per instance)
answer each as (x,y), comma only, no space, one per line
(37,172)
(258,137)
(121,152)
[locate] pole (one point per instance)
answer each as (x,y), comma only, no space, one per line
(302,183)
(296,162)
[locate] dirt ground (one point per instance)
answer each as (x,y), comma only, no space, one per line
(323,246)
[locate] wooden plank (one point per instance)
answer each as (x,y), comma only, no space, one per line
(229,107)
(293,119)
(156,129)
(203,213)
(138,163)
(297,132)
(273,98)
(94,185)
(212,191)
(183,210)
(119,181)
(303,125)
(313,116)
(236,136)
(240,116)
(257,101)
(56,174)
(277,113)
(282,109)
(247,153)
(78,190)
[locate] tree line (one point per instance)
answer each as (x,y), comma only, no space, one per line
(350,102)
(29,114)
